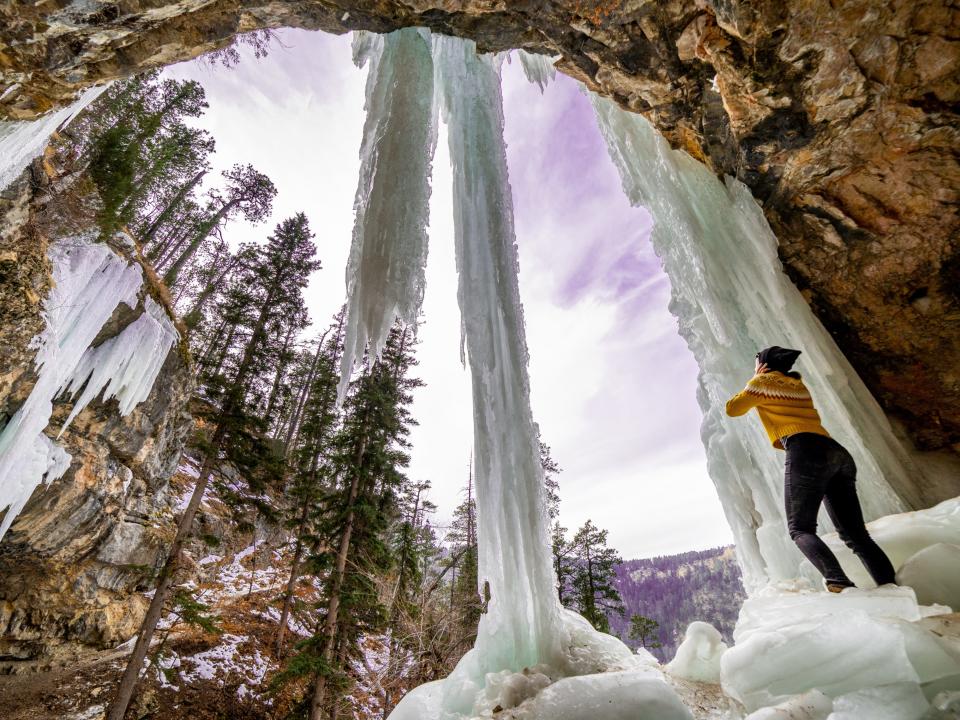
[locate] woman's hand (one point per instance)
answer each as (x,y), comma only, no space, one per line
(760,368)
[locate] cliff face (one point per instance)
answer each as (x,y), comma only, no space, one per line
(841,117)
(83,544)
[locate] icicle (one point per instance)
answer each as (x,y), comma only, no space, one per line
(385,270)
(22,141)
(538,68)
(90,281)
(125,366)
(731,298)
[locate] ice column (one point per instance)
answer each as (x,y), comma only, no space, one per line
(22,141)
(385,270)
(731,298)
(521,626)
(90,281)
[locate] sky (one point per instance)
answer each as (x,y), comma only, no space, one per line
(613,386)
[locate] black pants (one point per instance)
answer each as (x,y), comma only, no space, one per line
(820,469)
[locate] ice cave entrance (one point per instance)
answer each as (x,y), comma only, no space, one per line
(729,296)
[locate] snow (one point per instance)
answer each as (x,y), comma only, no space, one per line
(23,140)
(698,657)
(385,274)
(223,659)
(233,579)
(732,298)
(90,281)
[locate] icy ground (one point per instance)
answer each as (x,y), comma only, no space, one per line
(873,654)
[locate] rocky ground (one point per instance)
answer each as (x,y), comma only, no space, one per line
(195,673)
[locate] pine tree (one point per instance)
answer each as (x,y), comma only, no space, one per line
(412,542)
(593,579)
(564,564)
(644,629)
(550,471)
(312,467)
(138,148)
(278,281)
(249,192)
(369,454)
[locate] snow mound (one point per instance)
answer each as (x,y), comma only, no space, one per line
(900,701)
(698,657)
(626,695)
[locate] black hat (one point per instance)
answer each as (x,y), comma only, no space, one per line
(778,358)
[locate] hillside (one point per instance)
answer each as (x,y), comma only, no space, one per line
(675,590)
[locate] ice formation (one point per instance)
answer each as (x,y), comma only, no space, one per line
(909,539)
(521,627)
(934,574)
(532,659)
(731,298)
(852,647)
(90,281)
(385,270)
(23,140)
(537,68)
(698,657)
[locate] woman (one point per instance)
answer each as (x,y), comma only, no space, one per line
(818,468)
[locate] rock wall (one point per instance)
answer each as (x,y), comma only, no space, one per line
(840,116)
(82,546)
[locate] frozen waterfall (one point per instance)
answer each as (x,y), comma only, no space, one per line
(385,270)
(89,282)
(23,140)
(731,299)
(520,627)
(529,651)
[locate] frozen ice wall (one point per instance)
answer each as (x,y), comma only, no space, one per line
(385,270)
(90,281)
(731,299)
(22,141)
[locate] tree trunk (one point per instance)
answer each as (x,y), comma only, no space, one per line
(168,211)
(128,682)
(281,369)
(118,708)
(302,398)
(294,575)
(209,290)
(170,276)
(333,603)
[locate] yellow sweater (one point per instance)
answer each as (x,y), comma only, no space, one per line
(783,404)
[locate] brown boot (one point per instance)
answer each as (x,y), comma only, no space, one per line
(837,587)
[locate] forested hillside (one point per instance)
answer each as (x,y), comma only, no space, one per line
(675,590)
